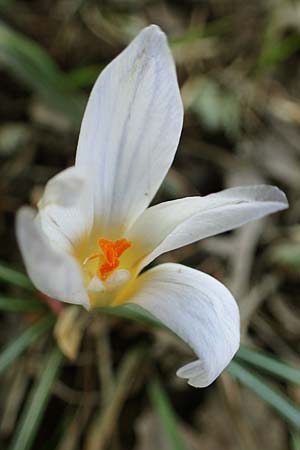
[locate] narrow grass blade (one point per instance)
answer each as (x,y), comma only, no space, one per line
(21,305)
(10,275)
(295,440)
(166,415)
(34,66)
(84,77)
(275,50)
(22,342)
(132,312)
(285,255)
(37,402)
(269,364)
(282,404)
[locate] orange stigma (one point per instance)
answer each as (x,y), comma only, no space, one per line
(109,256)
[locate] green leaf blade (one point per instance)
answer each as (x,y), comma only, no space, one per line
(21,305)
(22,342)
(275,399)
(166,415)
(37,402)
(13,276)
(269,364)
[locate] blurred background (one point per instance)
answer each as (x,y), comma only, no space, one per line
(72,380)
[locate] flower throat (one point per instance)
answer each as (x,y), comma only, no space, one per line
(109,254)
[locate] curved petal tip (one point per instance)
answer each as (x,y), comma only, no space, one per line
(196,307)
(277,195)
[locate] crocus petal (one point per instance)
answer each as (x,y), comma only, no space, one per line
(130,129)
(52,271)
(173,224)
(66,208)
(199,309)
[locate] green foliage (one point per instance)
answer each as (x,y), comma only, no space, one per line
(211,29)
(36,404)
(276,49)
(166,415)
(21,305)
(35,67)
(269,364)
(84,77)
(283,405)
(10,275)
(218,109)
(286,254)
(295,440)
(15,348)
(132,312)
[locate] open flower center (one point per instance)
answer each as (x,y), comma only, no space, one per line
(109,254)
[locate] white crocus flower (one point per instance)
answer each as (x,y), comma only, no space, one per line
(93,235)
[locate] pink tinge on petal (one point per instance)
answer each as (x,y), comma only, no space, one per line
(55,305)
